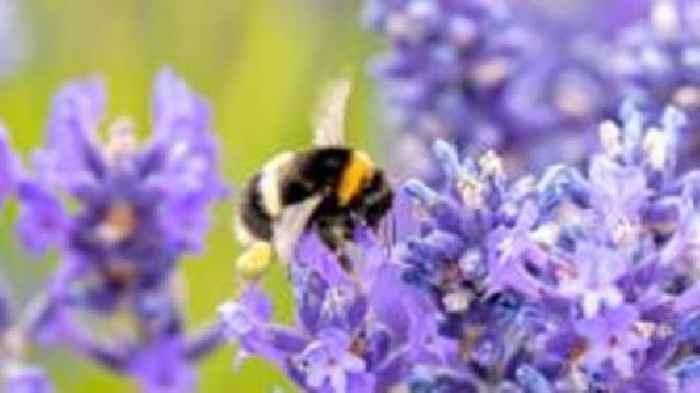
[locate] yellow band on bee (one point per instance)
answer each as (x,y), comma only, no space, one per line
(354,177)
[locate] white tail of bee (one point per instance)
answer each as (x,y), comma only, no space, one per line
(291,226)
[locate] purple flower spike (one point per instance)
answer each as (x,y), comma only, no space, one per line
(9,166)
(359,333)
(447,60)
(123,213)
(571,282)
(163,368)
(5,310)
(329,362)
(531,79)
(25,380)
(657,59)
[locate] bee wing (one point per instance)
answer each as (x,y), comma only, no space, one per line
(289,228)
(330,116)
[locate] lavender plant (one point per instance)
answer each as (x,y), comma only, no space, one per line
(16,376)
(656,59)
(570,283)
(122,214)
(424,80)
(533,84)
(353,333)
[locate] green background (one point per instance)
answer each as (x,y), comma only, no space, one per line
(261,64)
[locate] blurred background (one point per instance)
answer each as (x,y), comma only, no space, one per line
(260,63)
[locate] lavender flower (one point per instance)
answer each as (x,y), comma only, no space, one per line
(122,214)
(423,77)
(26,380)
(9,166)
(657,59)
(352,334)
(573,282)
(5,310)
(16,375)
(509,75)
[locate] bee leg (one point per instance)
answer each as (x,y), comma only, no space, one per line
(334,232)
(344,261)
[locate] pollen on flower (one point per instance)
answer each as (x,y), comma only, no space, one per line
(646,329)
(471,189)
(574,101)
(687,97)
(506,246)
(656,146)
(457,301)
(610,138)
(491,71)
(665,18)
(577,351)
(119,223)
(546,234)
(625,233)
(122,142)
(491,165)
(470,263)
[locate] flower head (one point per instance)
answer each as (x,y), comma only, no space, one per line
(593,268)
(352,333)
(122,213)
(529,78)
(329,362)
(657,59)
(423,76)
(140,207)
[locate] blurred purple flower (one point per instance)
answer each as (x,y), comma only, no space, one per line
(658,60)
(530,78)
(122,214)
(25,380)
(9,172)
(15,376)
(162,366)
(5,310)
(424,78)
(9,166)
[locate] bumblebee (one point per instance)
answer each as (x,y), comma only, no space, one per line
(330,188)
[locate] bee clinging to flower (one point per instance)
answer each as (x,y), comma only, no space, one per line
(330,188)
